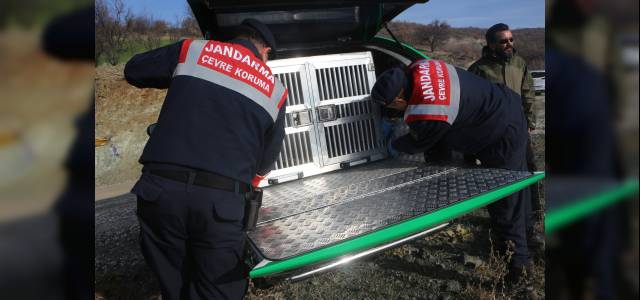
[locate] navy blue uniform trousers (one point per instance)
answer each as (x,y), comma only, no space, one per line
(192,238)
(511,216)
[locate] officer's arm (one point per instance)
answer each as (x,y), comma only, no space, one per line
(273,143)
(423,136)
(153,69)
(528,97)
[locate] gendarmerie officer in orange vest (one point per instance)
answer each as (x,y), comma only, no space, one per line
(219,132)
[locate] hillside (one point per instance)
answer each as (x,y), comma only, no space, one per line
(462,46)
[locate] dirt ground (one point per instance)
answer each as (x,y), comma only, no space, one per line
(454,263)
(123,113)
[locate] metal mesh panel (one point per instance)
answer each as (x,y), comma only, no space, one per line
(342,82)
(296,147)
(293,84)
(352,137)
(347,132)
(296,150)
(354,109)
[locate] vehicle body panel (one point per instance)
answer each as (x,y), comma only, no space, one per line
(301,25)
(538,80)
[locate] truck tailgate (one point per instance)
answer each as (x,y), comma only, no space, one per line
(320,218)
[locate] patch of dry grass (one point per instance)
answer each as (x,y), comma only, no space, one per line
(489,280)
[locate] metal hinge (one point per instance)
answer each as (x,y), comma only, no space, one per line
(299,118)
(286,178)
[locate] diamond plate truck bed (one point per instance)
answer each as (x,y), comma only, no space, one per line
(322,218)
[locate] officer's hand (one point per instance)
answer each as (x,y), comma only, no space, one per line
(255,182)
(391,150)
(386,127)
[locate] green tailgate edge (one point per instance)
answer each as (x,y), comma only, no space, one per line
(563,216)
(394,232)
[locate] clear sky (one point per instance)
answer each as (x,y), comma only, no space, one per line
(478,13)
(168,10)
(458,13)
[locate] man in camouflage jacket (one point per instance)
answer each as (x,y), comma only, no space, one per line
(500,64)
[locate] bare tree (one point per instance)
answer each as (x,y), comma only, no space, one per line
(406,32)
(102,23)
(112,26)
(174,33)
(189,25)
(160,27)
(435,33)
(145,32)
(152,38)
(139,24)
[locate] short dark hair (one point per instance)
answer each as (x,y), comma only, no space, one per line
(490,35)
(248,32)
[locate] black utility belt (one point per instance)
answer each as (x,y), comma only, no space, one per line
(205,179)
(252,197)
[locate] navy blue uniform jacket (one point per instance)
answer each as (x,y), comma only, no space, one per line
(487,113)
(224,110)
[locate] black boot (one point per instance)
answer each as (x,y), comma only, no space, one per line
(518,275)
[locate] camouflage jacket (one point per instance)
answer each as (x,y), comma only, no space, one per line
(512,73)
